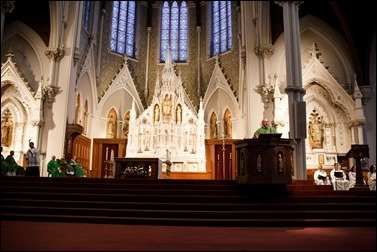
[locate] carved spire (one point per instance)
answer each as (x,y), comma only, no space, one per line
(357,95)
(315,53)
(10,54)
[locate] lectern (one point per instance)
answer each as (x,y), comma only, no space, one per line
(265,160)
(359,151)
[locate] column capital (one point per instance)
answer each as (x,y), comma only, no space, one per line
(7,6)
(264,51)
(55,54)
(280,3)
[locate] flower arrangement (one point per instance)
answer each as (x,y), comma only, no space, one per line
(132,170)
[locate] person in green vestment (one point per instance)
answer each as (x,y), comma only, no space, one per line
(11,165)
(53,168)
(79,171)
(265,129)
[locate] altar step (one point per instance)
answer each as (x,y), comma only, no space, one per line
(183,202)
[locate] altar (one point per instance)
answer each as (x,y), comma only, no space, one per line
(170,128)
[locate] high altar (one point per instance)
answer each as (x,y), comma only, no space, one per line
(169,128)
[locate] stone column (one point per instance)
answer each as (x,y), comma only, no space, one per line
(6,7)
(294,90)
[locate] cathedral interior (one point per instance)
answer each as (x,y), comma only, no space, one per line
(186,80)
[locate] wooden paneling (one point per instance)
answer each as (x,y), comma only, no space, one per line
(99,153)
(188,175)
(81,149)
(211,155)
(267,160)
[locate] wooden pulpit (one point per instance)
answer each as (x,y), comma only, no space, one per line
(265,160)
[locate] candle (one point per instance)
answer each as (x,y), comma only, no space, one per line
(107,154)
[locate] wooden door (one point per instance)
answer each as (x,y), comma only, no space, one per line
(223,162)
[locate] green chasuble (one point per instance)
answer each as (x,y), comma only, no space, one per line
(264,131)
(53,169)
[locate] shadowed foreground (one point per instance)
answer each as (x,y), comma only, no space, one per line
(43,236)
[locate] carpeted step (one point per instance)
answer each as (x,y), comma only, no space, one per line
(294,222)
(205,206)
(183,202)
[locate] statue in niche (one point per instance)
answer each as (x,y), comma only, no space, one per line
(316,130)
(228,125)
(156,113)
(280,162)
(166,108)
(6,128)
(111,126)
(179,114)
(259,163)
(213,126)
(126,124)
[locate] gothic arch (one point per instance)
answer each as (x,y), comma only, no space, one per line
(86,87)
(219,97)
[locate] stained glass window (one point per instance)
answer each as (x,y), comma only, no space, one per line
(123,28)
(174,29)
(86,14)
(221,27)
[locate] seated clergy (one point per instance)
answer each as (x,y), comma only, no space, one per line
(320,176)
(372,178)
(352,176)
(339,178)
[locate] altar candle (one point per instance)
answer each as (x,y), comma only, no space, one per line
(107,154)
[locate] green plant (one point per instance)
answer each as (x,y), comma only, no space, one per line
(135,171)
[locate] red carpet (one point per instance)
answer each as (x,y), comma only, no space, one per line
(41,236)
